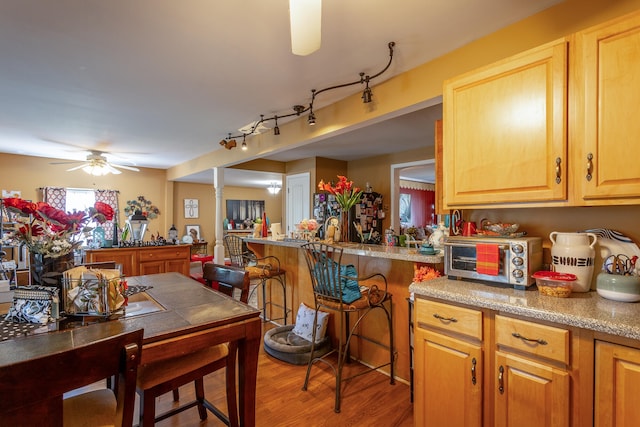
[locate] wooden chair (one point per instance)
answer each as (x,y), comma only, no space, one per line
(155,379)
(36,371)
(330,280)
(261,270)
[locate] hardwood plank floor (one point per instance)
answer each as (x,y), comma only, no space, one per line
(367,400)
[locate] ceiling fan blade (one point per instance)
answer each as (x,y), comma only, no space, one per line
(111,169)
(131,168)
(66,163)
(75,168)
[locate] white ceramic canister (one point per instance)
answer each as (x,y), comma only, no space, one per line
(574,253)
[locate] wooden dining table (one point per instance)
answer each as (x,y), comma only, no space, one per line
(180,315)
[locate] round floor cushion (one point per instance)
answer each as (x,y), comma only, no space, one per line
(283,344)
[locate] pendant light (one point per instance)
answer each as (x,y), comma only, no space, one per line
(306,18)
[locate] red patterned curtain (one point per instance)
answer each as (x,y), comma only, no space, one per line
(55,196)
(109,197)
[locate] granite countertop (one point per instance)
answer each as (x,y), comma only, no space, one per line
(376,251)
(586,310)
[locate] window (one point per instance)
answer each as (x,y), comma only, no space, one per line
(79,200)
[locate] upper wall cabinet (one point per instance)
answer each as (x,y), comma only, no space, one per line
(505,131)
(607,124)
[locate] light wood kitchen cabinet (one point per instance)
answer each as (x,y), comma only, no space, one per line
(476,368)
(617,385)
(505,130)
(448,365)
(531,389)
(607,74)
(552,126)
(145,260)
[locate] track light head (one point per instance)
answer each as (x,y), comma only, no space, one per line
(276,129)
(366,95)
(244,143)
(311,119)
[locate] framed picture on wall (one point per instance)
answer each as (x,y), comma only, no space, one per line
(191,208)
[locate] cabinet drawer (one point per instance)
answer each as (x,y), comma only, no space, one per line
(449,317)
(164,254)
(532,338)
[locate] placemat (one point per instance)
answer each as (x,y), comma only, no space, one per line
(10,329)
(135,289)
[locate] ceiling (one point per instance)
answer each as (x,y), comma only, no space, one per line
(155,83)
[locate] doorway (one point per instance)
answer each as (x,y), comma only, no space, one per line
(297,190)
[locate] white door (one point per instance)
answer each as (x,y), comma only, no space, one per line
(298,200)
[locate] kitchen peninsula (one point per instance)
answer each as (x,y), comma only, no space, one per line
(395,263)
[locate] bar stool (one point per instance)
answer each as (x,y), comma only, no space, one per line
(261,271)
(338,289)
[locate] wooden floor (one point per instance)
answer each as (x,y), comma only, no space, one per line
(368,400)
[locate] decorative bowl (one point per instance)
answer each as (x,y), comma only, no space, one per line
(618,287)
(554,284)
(502,228)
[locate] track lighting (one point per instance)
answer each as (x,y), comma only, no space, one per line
(276,129)
(366,95)
(253,128)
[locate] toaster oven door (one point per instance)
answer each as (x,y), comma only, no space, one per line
(461,262)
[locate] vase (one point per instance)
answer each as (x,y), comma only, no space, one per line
(574,253)
(48,271)
(345,226)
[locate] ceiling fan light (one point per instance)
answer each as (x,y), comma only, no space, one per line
(306,19)
(96,170)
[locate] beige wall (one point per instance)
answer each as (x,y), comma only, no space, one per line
(27,174)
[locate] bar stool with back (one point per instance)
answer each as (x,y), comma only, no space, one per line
(337,288)
(262,271)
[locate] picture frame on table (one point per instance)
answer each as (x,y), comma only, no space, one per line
(194,232)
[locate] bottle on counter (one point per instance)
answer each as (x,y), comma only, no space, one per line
(116,232)
(265,229)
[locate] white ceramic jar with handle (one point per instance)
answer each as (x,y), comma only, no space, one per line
(574,253)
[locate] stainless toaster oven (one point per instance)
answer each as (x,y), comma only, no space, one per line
(517,259)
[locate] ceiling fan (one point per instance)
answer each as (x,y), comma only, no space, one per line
(98,165)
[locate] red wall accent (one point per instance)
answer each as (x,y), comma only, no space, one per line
(422,206)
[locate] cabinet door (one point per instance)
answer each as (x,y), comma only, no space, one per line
(448,381)
(505,130)
(609,58)
(617,387)
(177,265)
(152,267)
(530,394)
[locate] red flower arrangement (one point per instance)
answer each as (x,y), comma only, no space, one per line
(346,193)
(50,231)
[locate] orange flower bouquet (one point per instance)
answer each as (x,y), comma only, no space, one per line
(345,192)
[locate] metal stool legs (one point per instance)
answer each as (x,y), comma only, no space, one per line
(281,281)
